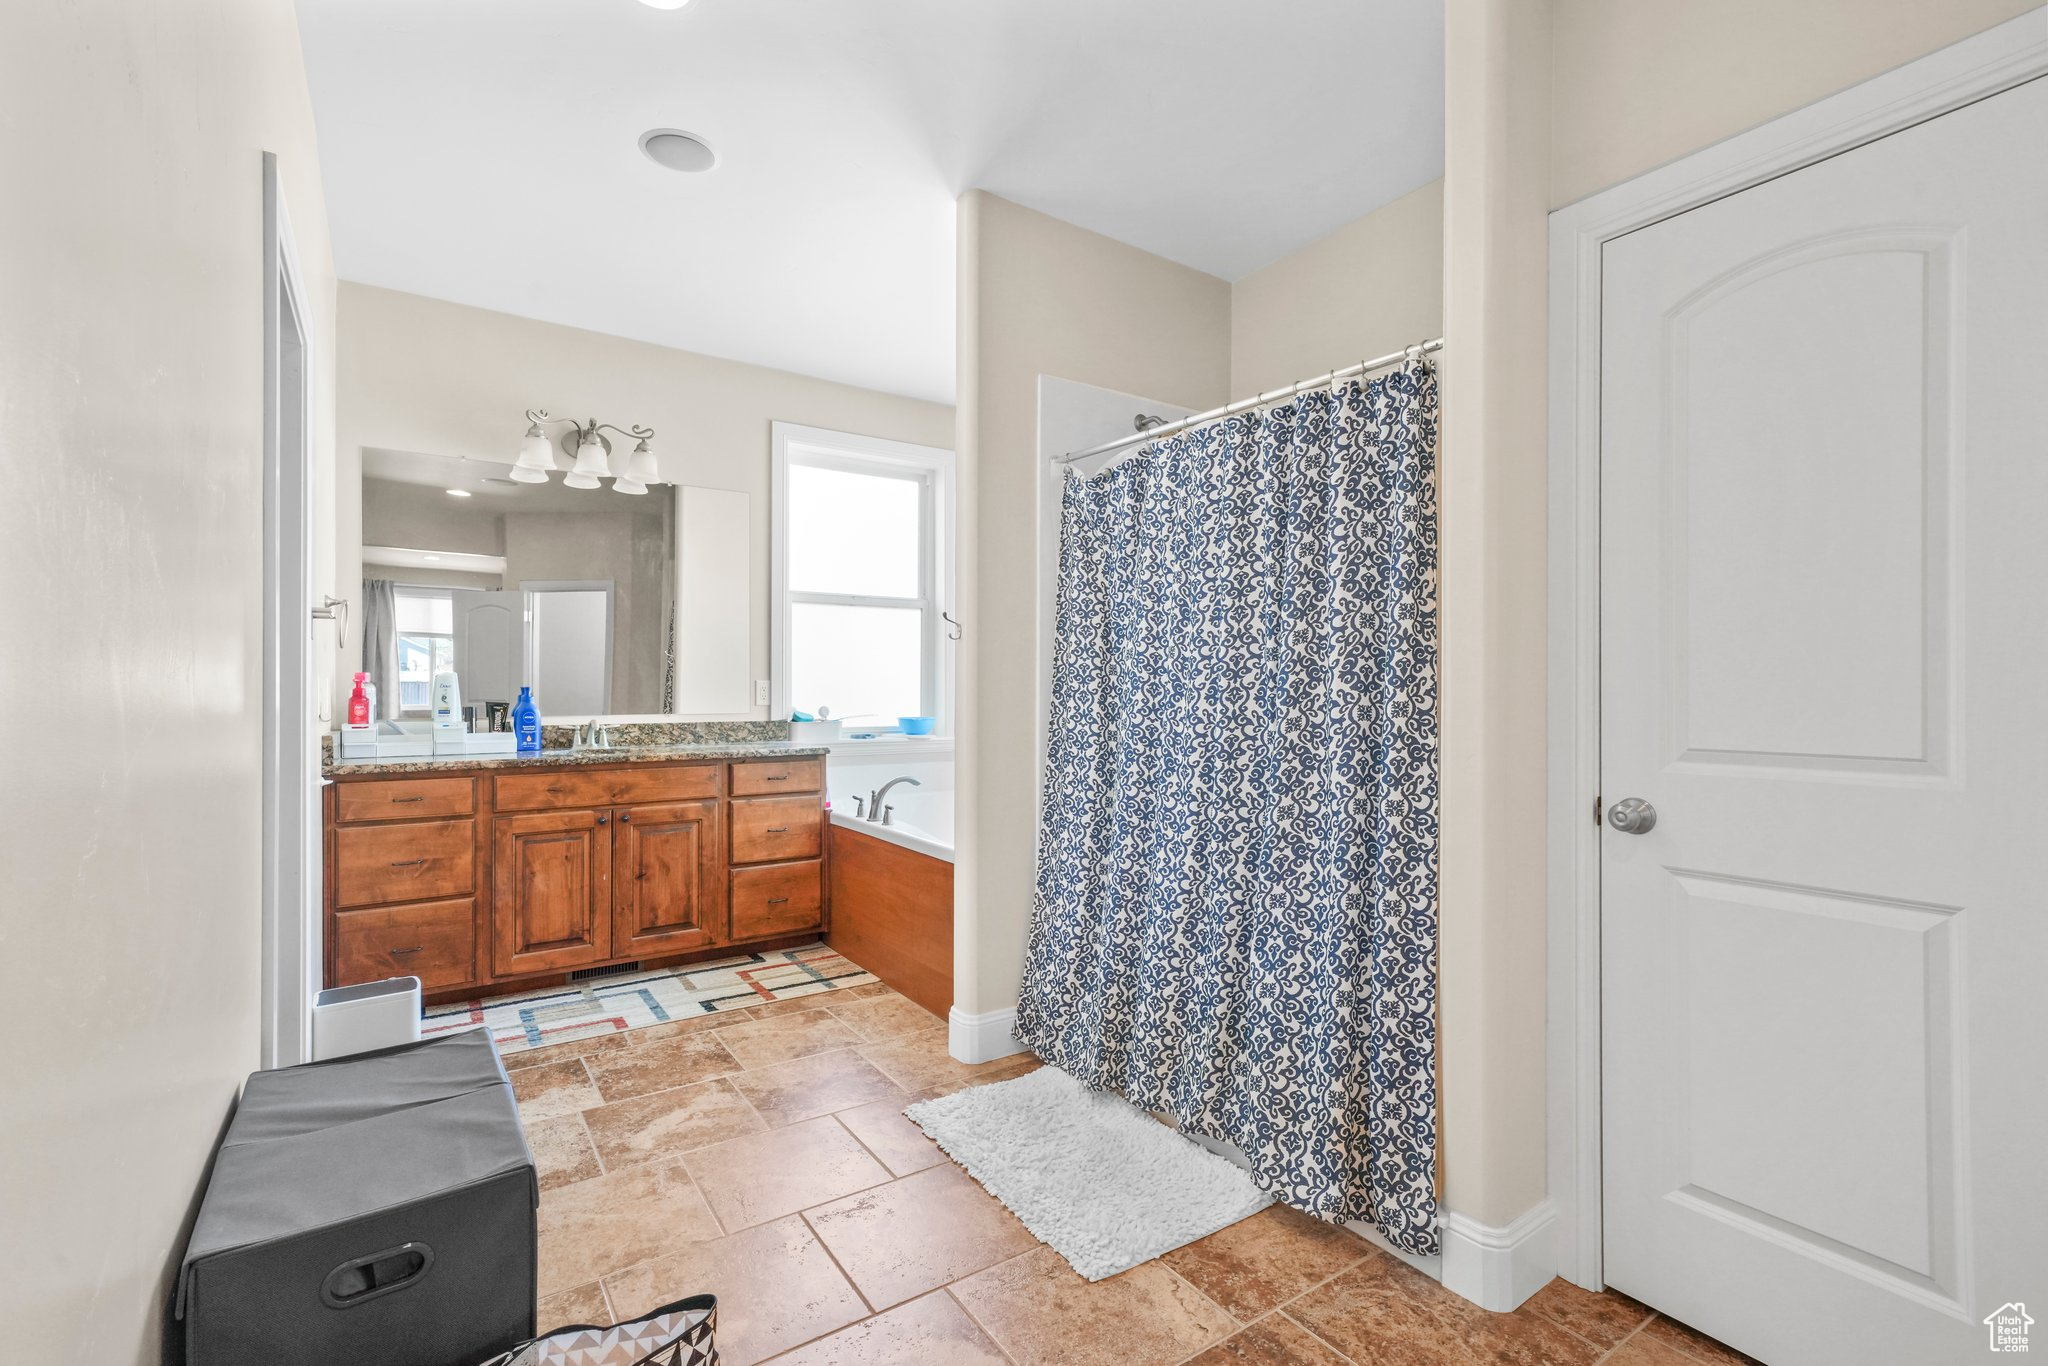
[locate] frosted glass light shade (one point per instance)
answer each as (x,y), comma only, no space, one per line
(577,479)
(622,484)
(590,460)
(641,467)
(536,452)
(525,475)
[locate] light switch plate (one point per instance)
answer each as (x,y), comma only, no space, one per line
(760,692)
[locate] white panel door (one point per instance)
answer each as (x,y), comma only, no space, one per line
(1824,662)
(490,643)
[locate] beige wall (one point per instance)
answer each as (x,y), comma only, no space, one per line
(630,549)
(1635,84)
(419,517)
(131,564)
(418,374)
(1370,288)
(1038,296)
(1491,886)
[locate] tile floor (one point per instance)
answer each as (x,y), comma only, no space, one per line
(763,1155)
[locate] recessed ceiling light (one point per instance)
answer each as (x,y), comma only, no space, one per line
(677,150)
(458,493)
(431,559)
(664,4)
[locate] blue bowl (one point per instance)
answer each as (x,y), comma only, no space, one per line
(916,725)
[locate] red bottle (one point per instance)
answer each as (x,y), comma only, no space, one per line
(359,703)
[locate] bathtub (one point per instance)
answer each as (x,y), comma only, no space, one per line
(892,885)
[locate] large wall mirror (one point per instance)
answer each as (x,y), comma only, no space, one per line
(605,603)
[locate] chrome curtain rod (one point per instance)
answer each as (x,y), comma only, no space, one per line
(1415,352)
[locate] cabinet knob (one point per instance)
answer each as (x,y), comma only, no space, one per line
(625,818)
(603,819)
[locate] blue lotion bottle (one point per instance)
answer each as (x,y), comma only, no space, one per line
(526,722)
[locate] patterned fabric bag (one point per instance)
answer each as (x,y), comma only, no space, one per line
(679,1334)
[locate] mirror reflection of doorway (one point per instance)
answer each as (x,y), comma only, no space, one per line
(569,647)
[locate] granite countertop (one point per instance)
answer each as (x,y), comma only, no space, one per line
(338,767)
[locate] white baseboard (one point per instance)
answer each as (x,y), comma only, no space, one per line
(981,1038)
(1498,1268)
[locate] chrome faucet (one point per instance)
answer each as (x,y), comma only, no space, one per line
(878,812)
(592,734)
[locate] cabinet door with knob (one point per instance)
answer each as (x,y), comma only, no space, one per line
(552,891)
(668,878)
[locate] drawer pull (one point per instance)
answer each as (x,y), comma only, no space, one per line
(778,830)
(409,863)
(777,900)
(775,778)
(400,801)
(399,953)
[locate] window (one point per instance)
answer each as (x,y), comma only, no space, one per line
(426,644)
(862,569)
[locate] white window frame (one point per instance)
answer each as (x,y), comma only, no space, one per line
(932,467)
(423,590)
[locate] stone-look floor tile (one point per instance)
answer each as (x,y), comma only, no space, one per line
(1694,1343)
(1381,1310)
(919,1063)
(866,991)
(1602,1319)
(1384,1310)
(764,1176)
(584,1304)
(562,1151)
(660,1065)
(932,1331)
(1275,1340)
(1039,1311)
(1266,1260)
(778,1038)
(669,1122)
(776,1288)
(890,1135)
(818,1085)
(556,1088)
(607,1223)
(792,1005)
(1644,1350)
(886,1017)
(918,1233)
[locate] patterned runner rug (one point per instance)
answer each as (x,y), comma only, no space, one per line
(607,1005)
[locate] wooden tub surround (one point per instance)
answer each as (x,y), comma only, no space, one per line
(892,913)
(497,874)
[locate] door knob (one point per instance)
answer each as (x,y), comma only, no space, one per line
(1632,816)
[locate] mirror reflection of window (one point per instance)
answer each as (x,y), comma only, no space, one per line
(426,644)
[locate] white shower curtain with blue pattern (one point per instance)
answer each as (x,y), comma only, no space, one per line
(1235,919)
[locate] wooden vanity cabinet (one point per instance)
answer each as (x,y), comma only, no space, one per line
(493,879)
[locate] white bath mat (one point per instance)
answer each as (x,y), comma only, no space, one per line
(1100,1181)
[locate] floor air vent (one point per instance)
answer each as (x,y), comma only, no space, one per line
(615,970)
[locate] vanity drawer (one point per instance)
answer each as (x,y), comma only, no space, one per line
(417,861)
(781,899)
(404,799)
(772,778)
(434,941)
(605,786)
(773,829)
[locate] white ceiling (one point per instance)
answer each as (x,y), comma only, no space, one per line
(485,151)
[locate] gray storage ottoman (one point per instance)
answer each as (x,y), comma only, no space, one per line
(369,1209)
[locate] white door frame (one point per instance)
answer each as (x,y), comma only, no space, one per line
(1995,60)
(291,848)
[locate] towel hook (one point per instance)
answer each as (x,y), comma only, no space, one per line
(953,634)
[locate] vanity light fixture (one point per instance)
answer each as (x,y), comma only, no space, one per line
(587,442)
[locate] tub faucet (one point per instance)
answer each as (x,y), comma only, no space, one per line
(876,812)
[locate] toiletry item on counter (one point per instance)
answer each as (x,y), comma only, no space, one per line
(359,712)
(526,722)
(447,702)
